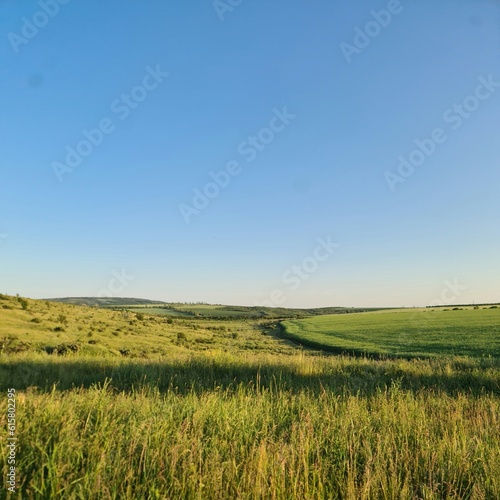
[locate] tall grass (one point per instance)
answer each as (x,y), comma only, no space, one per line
(258,426)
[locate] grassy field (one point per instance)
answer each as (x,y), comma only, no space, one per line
(161,311)
(246,415)
(207,311)
(409,332)
(241,312)
(50,327)
(213,311)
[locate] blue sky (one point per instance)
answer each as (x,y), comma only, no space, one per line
(328,173)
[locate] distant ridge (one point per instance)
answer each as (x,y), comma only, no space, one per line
(202,309)
(106,301)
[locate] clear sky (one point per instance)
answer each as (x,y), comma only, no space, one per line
(308,108)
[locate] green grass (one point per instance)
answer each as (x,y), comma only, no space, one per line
(161,311)
(257,426)
(407,333)
(240,312)
(103,332)
(232,411)
(210,311)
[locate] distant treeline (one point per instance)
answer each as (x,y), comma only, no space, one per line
(465,305)
(105,301)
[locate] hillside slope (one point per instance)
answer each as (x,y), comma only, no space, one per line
(60,328)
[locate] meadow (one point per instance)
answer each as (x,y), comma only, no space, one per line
(407,332)
(203,408)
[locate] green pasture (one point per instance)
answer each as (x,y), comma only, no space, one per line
(406,332)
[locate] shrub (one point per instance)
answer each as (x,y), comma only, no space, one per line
(170,321)
(36,320)
(59,329)
(63,349)
(13,345)
(62,319)
(24,303)
(140,316)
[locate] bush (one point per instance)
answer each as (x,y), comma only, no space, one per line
(200,340)
(170,321)
(24,303)
(59,329)
(139,316)
(13,345)
(62,349)
(62,319)
(36,320)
